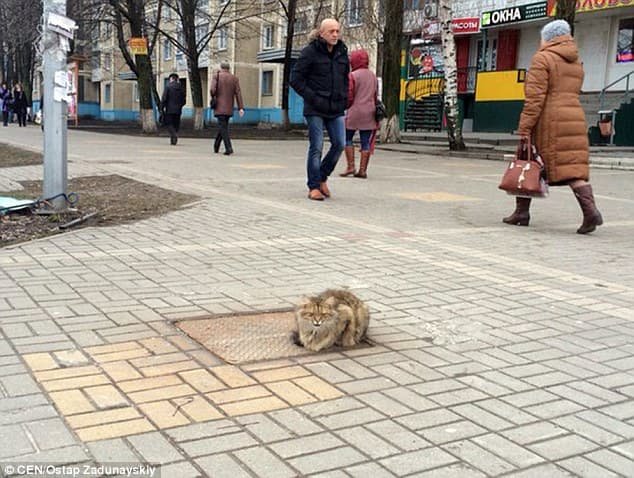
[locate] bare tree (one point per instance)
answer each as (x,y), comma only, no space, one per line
(19,21)
(392,38)
(566,10)
(289,9)
(454,126)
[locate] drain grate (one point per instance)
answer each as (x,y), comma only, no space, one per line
(246,338)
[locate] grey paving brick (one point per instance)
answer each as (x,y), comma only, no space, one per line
(112,451)
(506,411)
(422,371)
(509,451)
(549,470)
(587,430)
(367,442)
(417,461)
(506,381)
(384,404)
(329,373)
(19,444)
(263,428)
(183,469)
(305,445)
(478,457)
(398,435)
(532,397)
(451,432)
(353,368)
(327,460)
(428,419)
(350,418)
(481,417)
(207,446)
(222,466)
(459,469)
(456,397)
(622,411)
(368,469)
(563,447)
(27,414)
(203,430)
(584,468)
(16,385)
(409,398)
(554,409)
(534,432)
(626,449)
(68,454)
(612,461)
(295,422)
(366,385)
(154,448)
(263,463)
(330,407)
(608,423)
(485,386)
(437,386)
(51,433)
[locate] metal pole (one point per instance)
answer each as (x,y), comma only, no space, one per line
(54,114)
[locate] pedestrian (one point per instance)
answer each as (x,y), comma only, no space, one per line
(361,112)
(5,103)
(554,119)
(20,104)
(225,88)
(172,104)
(320,77)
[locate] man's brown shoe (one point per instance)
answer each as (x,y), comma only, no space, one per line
(315,195)
(323,187)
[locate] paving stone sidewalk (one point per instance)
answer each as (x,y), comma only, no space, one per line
(496,351)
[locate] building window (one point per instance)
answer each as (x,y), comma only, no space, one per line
(301,22)
(267,83)
(167,49)
(135,92)
(268,37)
(107,93)
(625,41)
(107,61)
(353,12)
(222,39)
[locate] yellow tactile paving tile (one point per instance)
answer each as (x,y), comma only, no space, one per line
(149,383)
(291,393)
(257,405)
(202,380)
(164,414)
(40,361)
(71,356)
(122,355)
(237,394)
(71,401)
(103,417)
(318,387)
(232,376)
(158,345)
(435,197)
(115,430)
(119,371)
(106,349)
(64,373)
(77,382)
(163,393)
(276,375)
(198,409)
(169,368)
(106,396)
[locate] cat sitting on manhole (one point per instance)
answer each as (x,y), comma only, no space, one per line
(334,317)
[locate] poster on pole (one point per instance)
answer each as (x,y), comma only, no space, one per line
(138,45)
(72,75)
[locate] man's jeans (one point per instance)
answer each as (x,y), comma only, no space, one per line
(318,169)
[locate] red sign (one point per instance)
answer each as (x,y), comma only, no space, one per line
(465,26)
(591,5)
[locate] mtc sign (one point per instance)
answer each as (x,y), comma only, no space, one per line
(517,14)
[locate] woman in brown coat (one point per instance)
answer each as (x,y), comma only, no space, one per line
(555,120)
(225,87)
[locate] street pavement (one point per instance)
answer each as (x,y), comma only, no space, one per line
(497,350)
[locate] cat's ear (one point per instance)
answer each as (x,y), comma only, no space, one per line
(331,301)
(304,302)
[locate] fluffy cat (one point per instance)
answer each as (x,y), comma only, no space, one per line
(334,317)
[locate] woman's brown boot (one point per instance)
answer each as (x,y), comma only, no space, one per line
(520,216)
(363,167)
(350,160)
(591,215)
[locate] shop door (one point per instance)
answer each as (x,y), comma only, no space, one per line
(487,51)
(462,63)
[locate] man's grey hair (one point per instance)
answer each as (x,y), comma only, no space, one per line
(225,65)
(556,28)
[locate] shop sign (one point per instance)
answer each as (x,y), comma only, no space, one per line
(465,26)
(137,46)
(521,13)
(431,29)
(591,5)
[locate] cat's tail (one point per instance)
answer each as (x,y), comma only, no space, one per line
(295,338)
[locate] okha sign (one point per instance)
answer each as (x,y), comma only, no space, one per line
(591,5)
(521,13)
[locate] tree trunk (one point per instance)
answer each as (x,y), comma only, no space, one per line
(188,22)
(144,80)
(391,75)
(290,32)
(454,126)
(566,10)
(196,89)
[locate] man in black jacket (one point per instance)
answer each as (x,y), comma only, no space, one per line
(172,104)
(320,76)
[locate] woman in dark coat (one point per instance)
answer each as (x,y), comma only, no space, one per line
(555,120)
(5,103)
(20,104)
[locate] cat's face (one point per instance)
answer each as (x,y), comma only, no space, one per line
(316,313)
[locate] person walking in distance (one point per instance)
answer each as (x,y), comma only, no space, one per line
(20,104)
(225,88)
(5,103)
(172,102)
(320,77)
(553,117)
(360,115)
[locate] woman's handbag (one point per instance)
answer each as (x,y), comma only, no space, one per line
(525,174)
(379,113)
